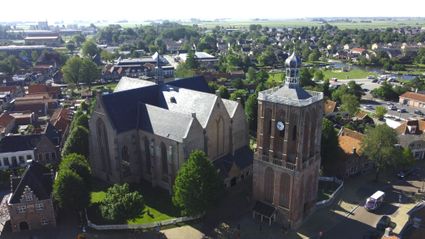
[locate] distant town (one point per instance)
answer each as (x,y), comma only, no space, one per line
(306,128)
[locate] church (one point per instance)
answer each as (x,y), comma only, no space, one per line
(146,130)
(287,161)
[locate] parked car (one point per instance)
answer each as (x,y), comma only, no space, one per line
(406,173)
(371,77)
(374,80)
(385,222)
(392,107)
(368,107)
(402,110)
(418,112)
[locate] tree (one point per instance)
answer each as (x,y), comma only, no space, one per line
(241,94)
(380,111)
(70,191)
(121,205)
(329,146)
(407,159)
(251,112)
(197,186)
(326,89)
(223,92)
(314,56)
(78,164)
(77,142)
(183,71)
(78,70)
(191,61)
(379,146)
(306,77)
(90,48)
(350,104)
(70,46)
(319,76)
(250,75)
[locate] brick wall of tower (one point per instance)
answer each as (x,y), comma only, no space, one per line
(275,152)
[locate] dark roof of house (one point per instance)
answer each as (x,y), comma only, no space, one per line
(38,178)
(263,209)
(243,158)
(52,133)
(15,143)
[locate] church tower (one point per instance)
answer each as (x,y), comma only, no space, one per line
(287,161)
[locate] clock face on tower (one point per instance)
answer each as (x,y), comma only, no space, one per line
(280,125)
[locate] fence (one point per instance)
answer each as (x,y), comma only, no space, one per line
(329,201)
(141,226)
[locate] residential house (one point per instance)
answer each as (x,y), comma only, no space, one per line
(350,160)
(30,204)
(61,120)
(413,99)
(411,135)
(7,124)
(24,117)
(363,118)
(52,91)
(20,150)
(15,91)
(40,104)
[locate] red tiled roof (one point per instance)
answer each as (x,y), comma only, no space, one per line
(40,88)
(413,96)
(350,139)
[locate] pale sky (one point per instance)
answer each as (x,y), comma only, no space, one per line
(139,10)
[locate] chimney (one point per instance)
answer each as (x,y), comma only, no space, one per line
(239,100)
(354,150)
(194,115)
(217,92)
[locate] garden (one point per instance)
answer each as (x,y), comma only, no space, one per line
(158,205)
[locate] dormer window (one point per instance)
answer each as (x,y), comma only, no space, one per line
(173,100)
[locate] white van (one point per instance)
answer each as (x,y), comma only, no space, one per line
(373,202)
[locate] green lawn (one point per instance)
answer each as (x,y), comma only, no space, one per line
(352,74)
(158,204)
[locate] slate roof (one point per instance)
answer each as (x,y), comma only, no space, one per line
(164,123)
(122,106)
(230,106)
(183,96)
(188,101)
(243,158)
(127,83)
(38,178)
(15,143)
(293,93)
(197,83)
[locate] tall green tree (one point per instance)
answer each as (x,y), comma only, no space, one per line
(380,111)
(80,70)
(89,48)
(78,164)
(223,92)
(120,204)
(70,191)
(197,187)
(251,112)
(191,61)
(350,104)
(329,146)
(77,142)
(241,94)
(379,146)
